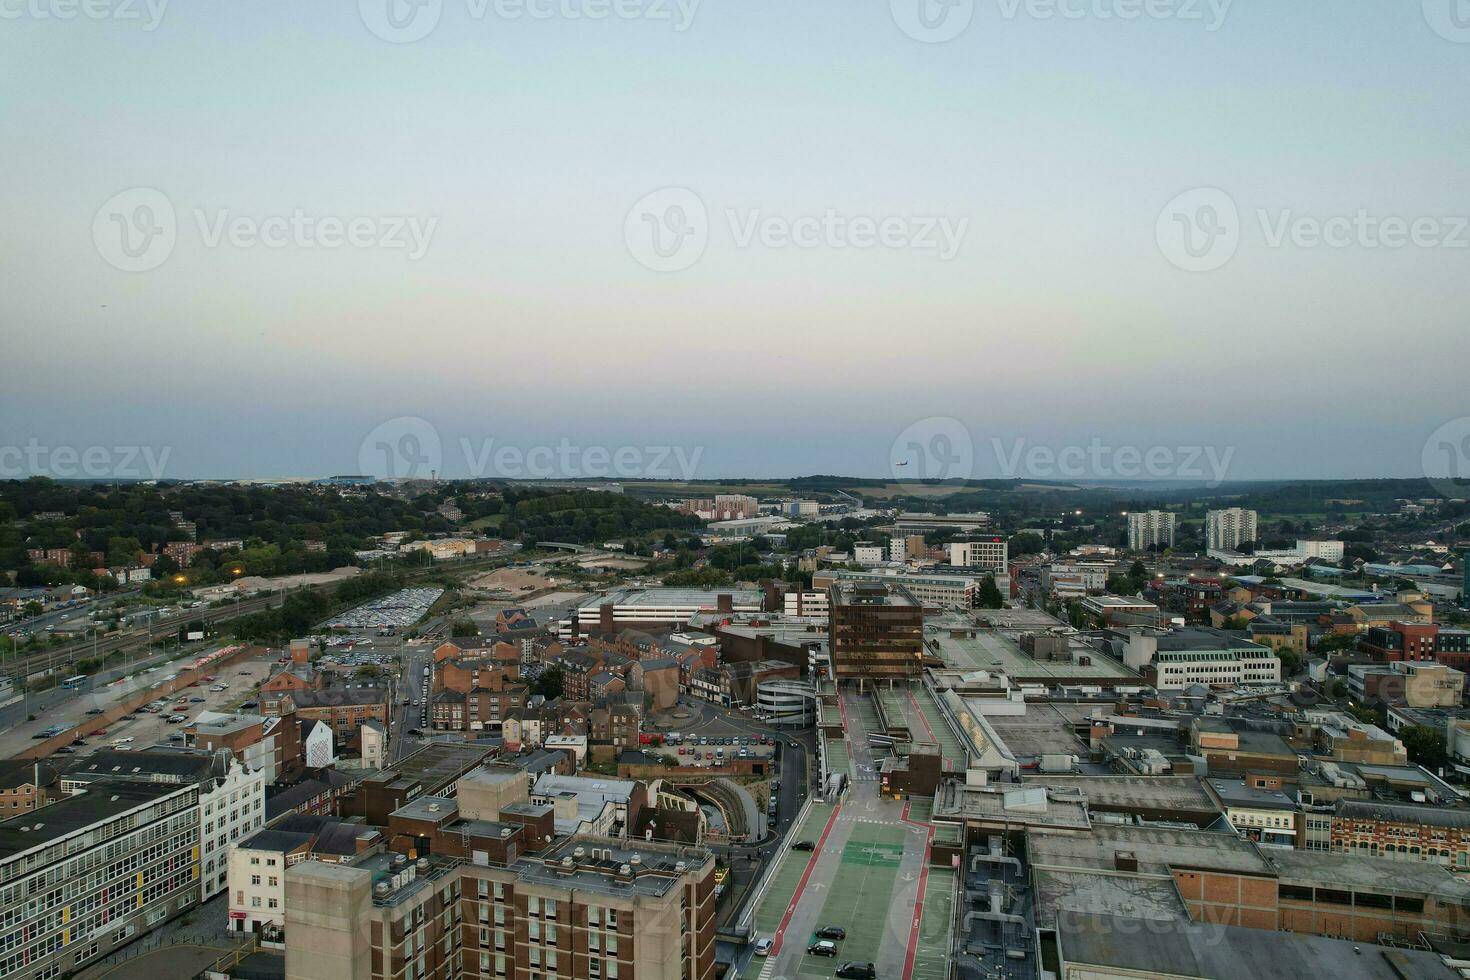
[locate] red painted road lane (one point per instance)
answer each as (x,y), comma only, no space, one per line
(908,961)
(801,885)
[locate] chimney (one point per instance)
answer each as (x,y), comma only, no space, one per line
(1125,861)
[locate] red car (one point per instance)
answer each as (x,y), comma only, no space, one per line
(99,733)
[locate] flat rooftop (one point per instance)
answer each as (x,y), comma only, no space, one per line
(1157,849)
(1059,892)
(101,801)
(599,866)
(981,649)
(1186,949)
(1134,792)
(1017,806)
(436,764)
(678,597)
(1236,792)
(1351,872)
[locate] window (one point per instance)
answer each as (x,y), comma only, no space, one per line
(255,879)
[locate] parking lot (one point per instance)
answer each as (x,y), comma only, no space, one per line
(398,611)
(714,750)
(149,728)
(867,873)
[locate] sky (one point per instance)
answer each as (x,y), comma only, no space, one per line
(708,239)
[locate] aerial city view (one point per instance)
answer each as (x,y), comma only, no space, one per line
(712,490)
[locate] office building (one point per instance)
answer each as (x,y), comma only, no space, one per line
(1150,529)
(105,864)
(987,553)
(1212,657)
(931,590)
(876,631)
(231,796)
(1227,530)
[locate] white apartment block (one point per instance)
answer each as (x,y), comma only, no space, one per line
(1227,530)
(229,809)
(991,553)
(1150,529)
(1323,550)
(867,554)
(735,507)
(257,884)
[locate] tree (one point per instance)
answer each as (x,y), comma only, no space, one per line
(1425,745)
(988,595)
(464,627)
(549,685)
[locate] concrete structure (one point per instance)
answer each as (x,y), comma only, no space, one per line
(652,608)
(934,591)
(1150,529)
(1230,528)
(1215,658)
(588,907)
(990,553)
(786,702)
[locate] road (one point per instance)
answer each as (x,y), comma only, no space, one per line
(866,874)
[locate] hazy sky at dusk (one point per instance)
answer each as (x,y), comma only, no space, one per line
(518,146)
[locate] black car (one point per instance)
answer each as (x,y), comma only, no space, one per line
(803,845)
(857,970)
(250,704)
(831,932)
(822,947)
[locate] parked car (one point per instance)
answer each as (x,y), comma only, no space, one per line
(94,711)
(822,947)
(803,845)
(66,750)
(857,970)
(831,932)
(763,946)
(249,704)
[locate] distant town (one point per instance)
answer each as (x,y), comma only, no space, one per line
(361,729)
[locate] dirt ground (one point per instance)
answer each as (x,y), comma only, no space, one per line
(511,580)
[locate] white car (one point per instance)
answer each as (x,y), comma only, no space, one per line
(763,947)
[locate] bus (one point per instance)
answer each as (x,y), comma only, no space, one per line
(74,683)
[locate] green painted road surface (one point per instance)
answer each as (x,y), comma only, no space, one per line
(931,960)
(921,808)
(867,714)
(859,897)
(949,745)
(838,759)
